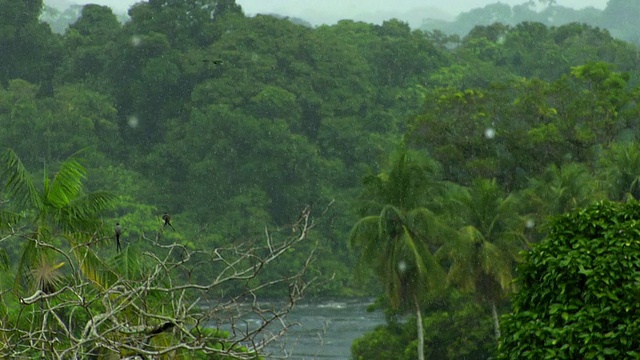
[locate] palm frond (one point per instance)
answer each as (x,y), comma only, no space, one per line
(406,183)
(19,185)
(93,268)
(410,269)
(394,280)
(364,237)
(498,265)
(462,253)
(411,253)
(472,235)
(67,183)
(460,199)
(29,259)
(82,213)
(4,260)
(435,279)
(8,218)
(430,227)
(513,243)
(474,258)
(363,231)
(128,263)
(391,221)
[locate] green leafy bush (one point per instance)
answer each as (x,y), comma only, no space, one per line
(579,289)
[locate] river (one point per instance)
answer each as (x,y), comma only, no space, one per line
(325,329)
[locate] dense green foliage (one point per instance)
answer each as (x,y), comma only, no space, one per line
(68,297)
(455,327)
(578,289)
(234,123)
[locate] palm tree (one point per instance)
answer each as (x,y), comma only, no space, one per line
(58,213)
(395,240)
(562,189)
(491,234)
(620,166)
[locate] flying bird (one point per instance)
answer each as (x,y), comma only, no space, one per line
(118,233)
(167,221)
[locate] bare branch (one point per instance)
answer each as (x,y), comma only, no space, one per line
(166,311)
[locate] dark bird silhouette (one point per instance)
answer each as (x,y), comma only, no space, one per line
(215,62)
(167,220)
(160,329)
(118,233)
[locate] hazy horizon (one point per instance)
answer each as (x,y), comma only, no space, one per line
(330,11)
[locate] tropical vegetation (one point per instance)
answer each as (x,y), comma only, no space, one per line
(578,289)
(442,156)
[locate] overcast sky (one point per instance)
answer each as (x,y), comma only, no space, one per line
(329,11)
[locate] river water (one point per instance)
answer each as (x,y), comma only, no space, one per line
(325,329)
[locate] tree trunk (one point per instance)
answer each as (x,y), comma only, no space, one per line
(420,329)
(496,324)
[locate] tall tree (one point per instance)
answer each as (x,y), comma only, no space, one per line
(561,189)
(482,257)
(395,241)
(28,48)
(89,45)
(185,23)
(620,171)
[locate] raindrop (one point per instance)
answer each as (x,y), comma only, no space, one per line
(136,40)
(133,121)
(530,223)
(489,133)
(402,266)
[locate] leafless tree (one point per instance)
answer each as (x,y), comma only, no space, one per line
(94,312)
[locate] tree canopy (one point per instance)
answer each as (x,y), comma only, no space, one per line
(236,124)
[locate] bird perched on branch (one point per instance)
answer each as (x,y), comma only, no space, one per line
(118,233)
(167,221)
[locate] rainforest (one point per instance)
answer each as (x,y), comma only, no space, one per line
(257,157)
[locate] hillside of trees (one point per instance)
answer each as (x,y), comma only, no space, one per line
(618,17)
(459,149)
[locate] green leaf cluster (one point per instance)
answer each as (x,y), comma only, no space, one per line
(578,289)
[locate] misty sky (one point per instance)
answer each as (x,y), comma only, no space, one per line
(329,11)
